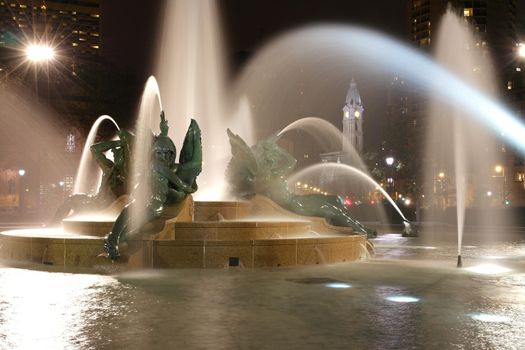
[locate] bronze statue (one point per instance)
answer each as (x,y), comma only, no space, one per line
(170,183)
(115,177)
(263,169)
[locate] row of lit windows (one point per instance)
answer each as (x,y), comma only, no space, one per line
(81,32)
(74,13)
(92,46)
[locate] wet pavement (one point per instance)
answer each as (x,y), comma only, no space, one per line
(409,296)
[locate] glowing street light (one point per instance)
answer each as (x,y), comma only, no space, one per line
(389,161)
(21,172)
(37,53)
(521,50)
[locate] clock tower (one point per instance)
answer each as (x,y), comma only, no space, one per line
(353,118)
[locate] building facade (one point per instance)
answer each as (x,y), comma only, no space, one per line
(353,118)
(65,85)
(494,25)
(71,27)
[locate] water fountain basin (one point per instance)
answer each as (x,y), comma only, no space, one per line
(251,234)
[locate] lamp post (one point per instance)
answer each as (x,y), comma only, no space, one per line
(440,189)
(521,50)
(40,54)
(21,173)
(390,179)
(500,171)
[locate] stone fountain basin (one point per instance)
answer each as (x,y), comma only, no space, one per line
(196,235)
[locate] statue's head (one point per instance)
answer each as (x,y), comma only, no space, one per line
(164,150)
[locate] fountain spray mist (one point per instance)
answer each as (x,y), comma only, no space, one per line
(349,169)
(328,137)
(454,147)
(330,48)
(191,72)
(148,120)
(87,168)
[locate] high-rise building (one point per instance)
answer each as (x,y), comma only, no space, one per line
(70,27)
(59,70)
(67,30)
(494,24)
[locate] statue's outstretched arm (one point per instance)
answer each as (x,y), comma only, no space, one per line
(98,149)
(173,179)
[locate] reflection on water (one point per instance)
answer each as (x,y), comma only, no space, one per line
(417,301)
(51,310)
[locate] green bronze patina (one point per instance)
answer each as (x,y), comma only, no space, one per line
(170,183)
(263,169)
(115,177)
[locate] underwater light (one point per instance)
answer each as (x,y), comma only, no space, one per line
(489,318)
(488,269)
(493,257)
(338,285)
(402,299)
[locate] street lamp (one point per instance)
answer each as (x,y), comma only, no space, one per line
(500,171)
(37,53)
(521,50)
(390,180)
(21,172)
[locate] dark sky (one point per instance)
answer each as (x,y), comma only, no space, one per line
(129,29)
(129,26)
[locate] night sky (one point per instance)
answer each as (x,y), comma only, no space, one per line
(130,33)
(129,27)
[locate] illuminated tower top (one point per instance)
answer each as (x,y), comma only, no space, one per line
(353,118)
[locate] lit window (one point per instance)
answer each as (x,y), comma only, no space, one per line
(82,39)
(70,143)
(509,85)
(74,44)
(468,12)
(22,6)
(95,46)
(96,15)
(95,34)
(519,176)
(518,69)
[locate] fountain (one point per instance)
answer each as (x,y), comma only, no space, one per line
(456,148)
(408,297)
(227,233)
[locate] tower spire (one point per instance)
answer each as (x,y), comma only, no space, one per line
(353,118)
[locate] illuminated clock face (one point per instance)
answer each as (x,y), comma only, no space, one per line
(357,114)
